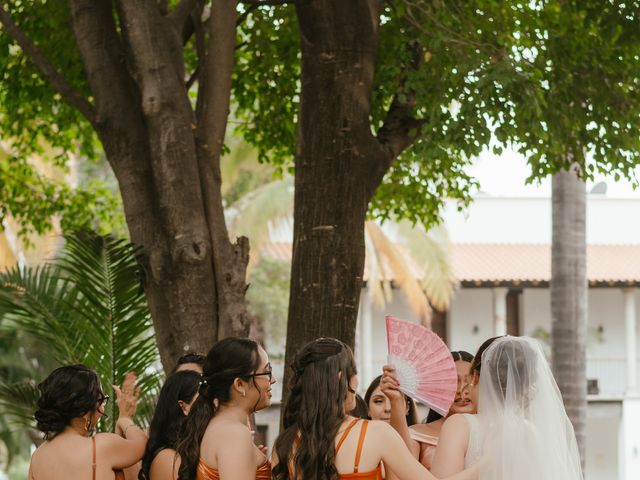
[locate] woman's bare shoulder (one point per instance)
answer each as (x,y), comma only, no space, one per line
(455,424)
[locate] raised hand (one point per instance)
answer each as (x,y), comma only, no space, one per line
(127,396)
(390,386)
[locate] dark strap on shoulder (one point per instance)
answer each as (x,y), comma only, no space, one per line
(363,432)
(93,461)
(345,433)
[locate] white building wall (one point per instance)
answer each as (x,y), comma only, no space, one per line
(470,319)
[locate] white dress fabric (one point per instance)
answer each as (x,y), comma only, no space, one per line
(474,448)
(526,432)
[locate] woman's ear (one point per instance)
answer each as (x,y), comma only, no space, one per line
(184,407)
(240,387)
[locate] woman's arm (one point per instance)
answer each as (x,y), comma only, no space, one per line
(127,447)
(452,447)
(397,457)
(389,386)
(124,452)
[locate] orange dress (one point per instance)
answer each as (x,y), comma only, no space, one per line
(375,474)
(205,472)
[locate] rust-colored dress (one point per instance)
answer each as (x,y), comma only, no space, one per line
(205,472)
(375,474)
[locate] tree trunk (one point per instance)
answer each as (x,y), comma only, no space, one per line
(339,164)
(569,298)
(337,157)
(146,124)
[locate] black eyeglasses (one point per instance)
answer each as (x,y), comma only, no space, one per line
(268,373)
(102,405)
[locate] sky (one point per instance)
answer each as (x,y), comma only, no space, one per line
(505,175)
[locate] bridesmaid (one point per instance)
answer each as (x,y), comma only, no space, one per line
(320,440)
(215,441)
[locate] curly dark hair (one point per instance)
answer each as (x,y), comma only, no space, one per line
(67,393)
(168,416)
(315,410)
(227,360)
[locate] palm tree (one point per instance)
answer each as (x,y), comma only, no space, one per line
(417,261)
(86,307)
(569,297)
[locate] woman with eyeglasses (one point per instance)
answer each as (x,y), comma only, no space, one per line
(215,440)
(70,405)
(321,441)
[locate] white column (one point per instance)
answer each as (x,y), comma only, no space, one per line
(500,311)
(631,441)
(631,350)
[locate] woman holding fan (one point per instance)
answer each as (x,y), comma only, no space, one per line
(422,438)
(321,441)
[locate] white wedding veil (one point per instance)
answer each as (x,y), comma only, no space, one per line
(527,434)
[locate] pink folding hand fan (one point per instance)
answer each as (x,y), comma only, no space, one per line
(423,363)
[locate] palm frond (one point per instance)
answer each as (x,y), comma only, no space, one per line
(402,274)
(431,252)
(88,307)
(254,211)
(18,401)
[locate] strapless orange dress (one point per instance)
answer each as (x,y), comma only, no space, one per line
(205,472)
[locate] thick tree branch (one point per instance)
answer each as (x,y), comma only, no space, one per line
(400,129)
(201,50)
(261,3)
(212,113)
(181,14)
(57,81)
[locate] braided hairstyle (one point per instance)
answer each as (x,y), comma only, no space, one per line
(67,393)
(315,410)
(227,360)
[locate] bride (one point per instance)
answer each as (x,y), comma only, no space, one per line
(521,430)
(526,432)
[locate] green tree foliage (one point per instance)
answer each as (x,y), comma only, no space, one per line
(36,122)
(87,307)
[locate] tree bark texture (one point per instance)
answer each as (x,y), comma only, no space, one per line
(148,129)
(569,298)
(339,164)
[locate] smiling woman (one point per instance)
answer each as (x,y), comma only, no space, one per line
(215,441)
(422,439)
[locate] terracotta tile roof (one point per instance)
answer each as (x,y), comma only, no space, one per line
(492,263)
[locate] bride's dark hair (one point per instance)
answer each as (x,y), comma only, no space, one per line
(315,410)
